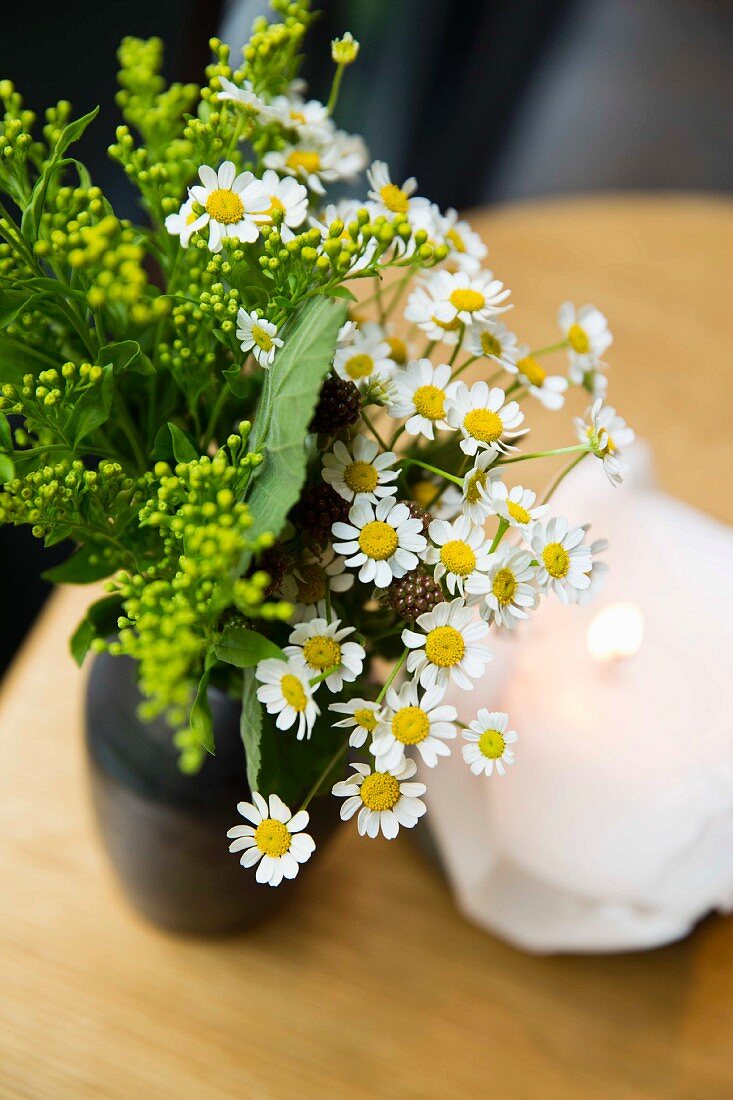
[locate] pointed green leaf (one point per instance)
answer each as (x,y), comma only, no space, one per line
(80,568)
(99,622)
(92,409)
(183,448)
(244,648)
(200,719)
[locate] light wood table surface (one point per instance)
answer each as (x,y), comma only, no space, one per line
(371,985)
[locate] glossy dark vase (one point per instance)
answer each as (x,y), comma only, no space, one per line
(165,832)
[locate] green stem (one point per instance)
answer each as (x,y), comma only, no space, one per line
(388,682)
(562,475)
(457,348)
(543,454)
(550,347)
(432,469)
(396,436)
(130,432)
(374,431)
(219,404)
(324,774)
(335,89)
(500,532)
(466,363)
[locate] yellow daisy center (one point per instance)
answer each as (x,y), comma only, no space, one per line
(424,493)
(444,646)
(456,240)
(380,791)
(397,350)
(489,344)
(322,652)
(310,585)
(361,477)
(429,402)
(491,744)
(484,425)
(466,299)
(225,206)
(532,371)
(378,540)
(300,160)
(410,725)
(578,338)
(458,557)
(609,447)
(293,692)
(394,198)
(359,366)
(517,512)
(504,586)
(297,116)
(447,326)
(272,837)
(556,559)
(261,338)
(476,482)
(365,718)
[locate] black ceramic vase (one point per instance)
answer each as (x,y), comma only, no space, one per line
(165,832)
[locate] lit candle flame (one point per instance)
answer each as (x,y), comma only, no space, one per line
(616,632)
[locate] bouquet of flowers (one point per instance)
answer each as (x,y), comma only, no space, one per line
(279,476)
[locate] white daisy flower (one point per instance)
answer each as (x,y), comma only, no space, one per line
(482,416)
(450,647)
(467,250)
(606,432)
(407,719)
(563,563)
(505,593)
(340,157)
(597,573)
(234,205)
(587,332)
(274,840)
(493,340)
(384,798)
(309,582)
(362,473)
(367,356)
(320,645)
(460,550)
(286,692)
(476,504)
(310,119)
(183,224)
(258,335)
(288,201)
(362,716)
(488,743)
(420,393)
(515,505)
(346,334)
(468,299)
(387,198)
(421,311)
(549,389)
(244,97)
(382,543)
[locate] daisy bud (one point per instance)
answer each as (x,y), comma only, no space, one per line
(344,51)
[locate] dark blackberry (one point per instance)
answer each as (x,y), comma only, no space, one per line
(413,595)
(318,509)
(274,561)
(338,406)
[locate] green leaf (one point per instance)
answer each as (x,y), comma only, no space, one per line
(6,436)
(92,409)
(73,132)
(240,384)
(250,728)
(126,355)
(342,292)
(285,411)
(99,622)
(183,448)
(243,648)
(200,719)
(7,469)
(13,302)
(17,359)
(79,568)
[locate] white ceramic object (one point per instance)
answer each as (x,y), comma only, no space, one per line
(614,829)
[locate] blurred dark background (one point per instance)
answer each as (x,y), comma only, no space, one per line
(482,100)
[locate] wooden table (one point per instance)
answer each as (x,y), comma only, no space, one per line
(371,985)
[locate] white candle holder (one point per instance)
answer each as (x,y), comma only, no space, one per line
(614,829)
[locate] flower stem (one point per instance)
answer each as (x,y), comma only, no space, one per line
(374,431)
(335,88)
(432,469)
(388,682)
(500,532)
(544,454)
(341,751)
(550,347)
(562,475)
